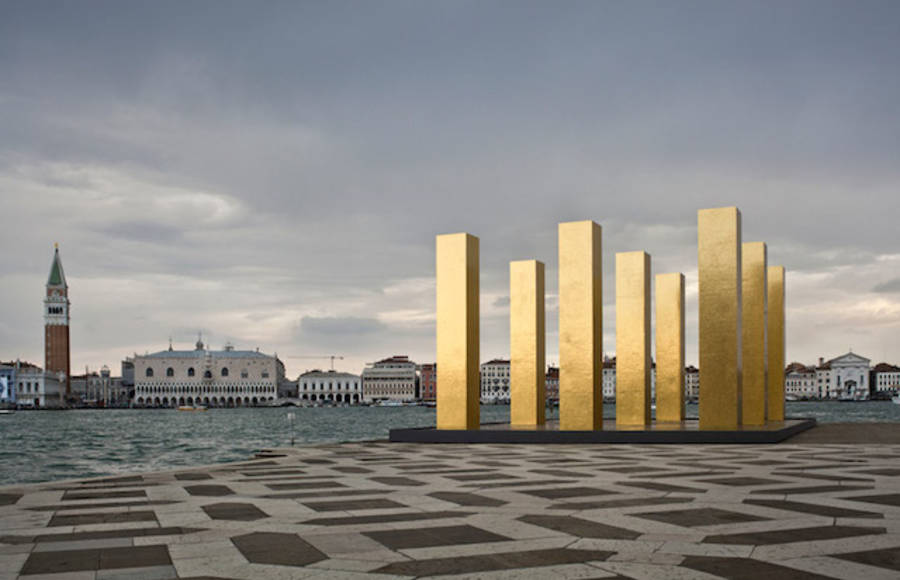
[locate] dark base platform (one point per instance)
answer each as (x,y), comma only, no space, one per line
(685,432)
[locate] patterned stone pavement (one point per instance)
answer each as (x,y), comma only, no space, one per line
(490,511)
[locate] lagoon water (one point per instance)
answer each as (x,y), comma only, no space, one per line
(51,445)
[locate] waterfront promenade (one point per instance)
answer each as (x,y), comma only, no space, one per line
(824,505)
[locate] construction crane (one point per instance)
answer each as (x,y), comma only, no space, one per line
(328,356)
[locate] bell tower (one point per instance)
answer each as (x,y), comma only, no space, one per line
(56,326)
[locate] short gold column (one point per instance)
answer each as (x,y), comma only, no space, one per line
(633,338)
(526,343)
(719,273)
(753,333)
(580,327)
(457,331)
(670,348)
(776,335)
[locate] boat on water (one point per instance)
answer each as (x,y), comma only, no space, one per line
(191,408)
(6,411)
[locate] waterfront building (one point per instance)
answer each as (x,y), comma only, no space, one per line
(823,378)
(551,383)
(32,387)
(56,332)
(100,389)
(850,373)
(691,383)
(428,382)
(392,379)
(886,378)
(495,381)
(221,378)
(332,386)
(609,378)
(800,381)
(7,383)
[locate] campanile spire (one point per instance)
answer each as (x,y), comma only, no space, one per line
(56,325)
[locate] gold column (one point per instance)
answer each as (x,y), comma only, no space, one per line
(457,331)
(526,343)
(753,333)
(776,343)
(580,327)
(719,272)
(669,348)
(633,338)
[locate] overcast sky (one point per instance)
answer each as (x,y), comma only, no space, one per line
(273,174)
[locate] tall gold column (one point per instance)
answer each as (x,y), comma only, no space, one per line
(633,338)
(526,343)
(719,270)
(580,327)
(753,333)
(457,331)
(776,332)
(669,347)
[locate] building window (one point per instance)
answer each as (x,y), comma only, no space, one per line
(170,372)
(224,372)
(149,372)
(265,374)
(191,372)
(244,374)
(207,374)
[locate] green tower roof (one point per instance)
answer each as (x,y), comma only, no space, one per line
(57,277)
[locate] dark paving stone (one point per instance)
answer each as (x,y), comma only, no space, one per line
(84,506)
(76,495)
(268,472)
(746,569)
(327,493)
(619,503)
(564,492)
(888,471)
(192,476)
(892,499)
(794,535)
(633,469)
(416,466)
(277,548)
(493,463)
(521,483)
(123,479)
(401,481)
(316,461)
(489,562)
(104,535)
(674,474)
(208,490)
(9,498)
(134,557)
(353,505)
(101,518)
(887,558)
(580,527)
(96,559)
(820,476)
(326,483)
(242,512)
(767,462)
(431,537)
(700,517)
(560,473)
(741,481)
(385,518)
(467,499)
(481,477)
(816,509)
(351,469)
(808,489)
(656,486)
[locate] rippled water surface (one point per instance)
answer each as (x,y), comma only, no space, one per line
(48,445)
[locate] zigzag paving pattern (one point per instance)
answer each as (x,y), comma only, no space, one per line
(380,510)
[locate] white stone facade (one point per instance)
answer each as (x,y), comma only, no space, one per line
(495,381)
(391,379)
(219,378)
(801,382)
(37,389)
(329,386)
(850,377)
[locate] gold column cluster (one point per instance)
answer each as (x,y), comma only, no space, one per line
(741,332)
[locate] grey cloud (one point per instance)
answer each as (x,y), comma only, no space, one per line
(340,326)
(889,286)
